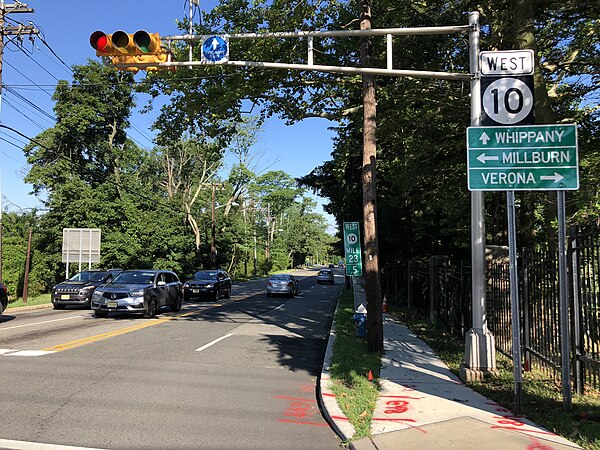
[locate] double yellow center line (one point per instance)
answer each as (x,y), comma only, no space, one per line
(119,332)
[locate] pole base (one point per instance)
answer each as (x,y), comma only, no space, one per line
(480,356)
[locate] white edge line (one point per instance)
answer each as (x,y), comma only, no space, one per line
(204,347)
(24,445)
(38,323)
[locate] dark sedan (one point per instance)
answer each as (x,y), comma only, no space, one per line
(209,284)
(78,289)
(138,292)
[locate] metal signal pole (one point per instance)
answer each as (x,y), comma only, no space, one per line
(369,188)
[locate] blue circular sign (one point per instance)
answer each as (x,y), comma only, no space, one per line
(215,49)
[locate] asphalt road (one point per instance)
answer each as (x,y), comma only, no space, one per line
(237,373)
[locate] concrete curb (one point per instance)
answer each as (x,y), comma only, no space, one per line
(327,400)
(28,308)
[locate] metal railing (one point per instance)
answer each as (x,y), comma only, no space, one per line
(442,291)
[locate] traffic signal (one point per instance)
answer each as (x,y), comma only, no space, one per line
(140,47)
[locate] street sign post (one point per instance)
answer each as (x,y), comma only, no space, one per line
(352,248)
(536,157)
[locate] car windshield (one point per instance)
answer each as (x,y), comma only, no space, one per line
(140,277)
(88,276)
(206,275)
(325,272)
(281,277)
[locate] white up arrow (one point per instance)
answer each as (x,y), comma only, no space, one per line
(484,138)
(215,44)
(482,158)
(556,177)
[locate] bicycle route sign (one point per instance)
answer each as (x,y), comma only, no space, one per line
(352,248)
(527,157)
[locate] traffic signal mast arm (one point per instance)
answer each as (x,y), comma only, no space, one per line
(310,66)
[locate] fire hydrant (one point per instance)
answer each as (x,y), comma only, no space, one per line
(360,321)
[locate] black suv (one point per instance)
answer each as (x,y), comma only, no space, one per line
(3,297)
(208,283)
(138,292)
(78,289)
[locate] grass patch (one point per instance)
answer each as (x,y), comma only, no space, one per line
(350,366)
(31,301)
(542,394)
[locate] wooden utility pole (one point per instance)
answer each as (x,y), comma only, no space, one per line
(369,187)
(10,31)
(27,264)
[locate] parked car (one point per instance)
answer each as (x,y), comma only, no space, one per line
(325,276)
(78,289)
(331,266)
(3,298)
(138,292)
(209,284)
(282,283)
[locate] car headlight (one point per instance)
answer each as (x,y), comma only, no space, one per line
(209,285)
(98,293)
(86,290)
(136,294)
(186,285)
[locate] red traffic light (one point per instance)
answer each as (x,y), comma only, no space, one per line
(101,42)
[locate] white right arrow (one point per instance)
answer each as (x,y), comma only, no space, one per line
(556,177)
(484,138)
(482,158)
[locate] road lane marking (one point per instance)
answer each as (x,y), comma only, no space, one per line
(204,347)
(102,336)
(24,445)
(39,323)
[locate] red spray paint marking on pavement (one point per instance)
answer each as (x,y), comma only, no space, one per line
(301,410)
(536,445)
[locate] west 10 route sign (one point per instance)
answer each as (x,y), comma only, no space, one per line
(535,157)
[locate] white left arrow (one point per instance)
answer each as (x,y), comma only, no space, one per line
(556,177)
(482,158)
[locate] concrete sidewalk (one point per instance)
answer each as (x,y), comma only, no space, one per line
(422,405)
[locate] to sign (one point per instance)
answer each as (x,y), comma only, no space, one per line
(352,247)
(539,157)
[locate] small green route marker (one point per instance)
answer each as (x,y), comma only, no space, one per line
(526,158)
(352,247)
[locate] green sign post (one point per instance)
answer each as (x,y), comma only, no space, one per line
(533,157)
(352,247)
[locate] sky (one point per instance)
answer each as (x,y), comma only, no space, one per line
(31,70)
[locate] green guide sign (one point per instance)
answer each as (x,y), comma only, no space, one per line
(533,157)
(352,247)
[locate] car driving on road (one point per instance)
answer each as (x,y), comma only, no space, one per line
(138,292)
(282,283)
(208,283)
(78,289)
(325,276)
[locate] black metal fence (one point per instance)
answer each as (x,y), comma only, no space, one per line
(441,291)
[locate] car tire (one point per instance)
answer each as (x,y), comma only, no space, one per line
(176,306)
(269,294)
(186,297)
(55,306)
(150,309)
(228,293)
(100,314)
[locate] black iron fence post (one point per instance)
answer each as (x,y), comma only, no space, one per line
(526,313)
(578,368)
